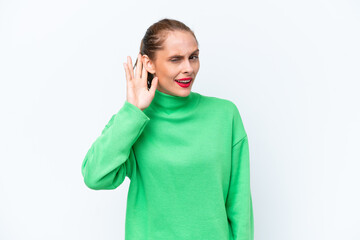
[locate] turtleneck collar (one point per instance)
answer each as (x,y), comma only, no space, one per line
(163,103)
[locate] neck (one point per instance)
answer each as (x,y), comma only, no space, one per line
(167,104)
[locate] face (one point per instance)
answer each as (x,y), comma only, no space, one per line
(179,59)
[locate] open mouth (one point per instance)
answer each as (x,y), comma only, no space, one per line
(183,83)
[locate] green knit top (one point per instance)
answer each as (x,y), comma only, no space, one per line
(187,159)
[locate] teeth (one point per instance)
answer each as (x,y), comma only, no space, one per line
(184,81)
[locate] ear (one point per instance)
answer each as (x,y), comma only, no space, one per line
(148,64)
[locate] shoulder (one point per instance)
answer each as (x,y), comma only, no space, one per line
(217,103)
(224,105)
(229,112)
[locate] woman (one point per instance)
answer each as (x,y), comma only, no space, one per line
(186,154)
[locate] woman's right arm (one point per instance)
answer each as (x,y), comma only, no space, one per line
(110,157)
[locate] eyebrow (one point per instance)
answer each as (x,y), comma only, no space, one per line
(179,56)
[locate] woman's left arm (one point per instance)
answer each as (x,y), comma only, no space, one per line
(239,202)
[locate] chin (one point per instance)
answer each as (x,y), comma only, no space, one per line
(182,92)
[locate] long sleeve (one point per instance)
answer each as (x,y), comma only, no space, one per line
(111,157)
(239,202)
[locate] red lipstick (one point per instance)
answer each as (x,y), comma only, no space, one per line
(183,79)
(184,84)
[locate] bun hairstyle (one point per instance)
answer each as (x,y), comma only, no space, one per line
(155,37)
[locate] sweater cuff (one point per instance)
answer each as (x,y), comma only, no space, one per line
(135,109)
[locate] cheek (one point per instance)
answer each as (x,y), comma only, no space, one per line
(198,67)
(172,73)
(168,72)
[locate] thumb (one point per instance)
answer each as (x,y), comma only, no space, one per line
(154,84)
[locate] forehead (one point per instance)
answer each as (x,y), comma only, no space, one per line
(179,42)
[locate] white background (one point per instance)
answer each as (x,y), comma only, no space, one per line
(291,67)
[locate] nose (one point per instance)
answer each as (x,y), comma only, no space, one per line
(187,67)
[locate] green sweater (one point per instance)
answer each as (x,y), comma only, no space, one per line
(187,159)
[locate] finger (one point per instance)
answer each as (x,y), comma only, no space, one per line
(154,84)
(130,67)
(139,66)
(127,74)
(144,74)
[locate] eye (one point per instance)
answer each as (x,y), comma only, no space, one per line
(174,60)
(195,57)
